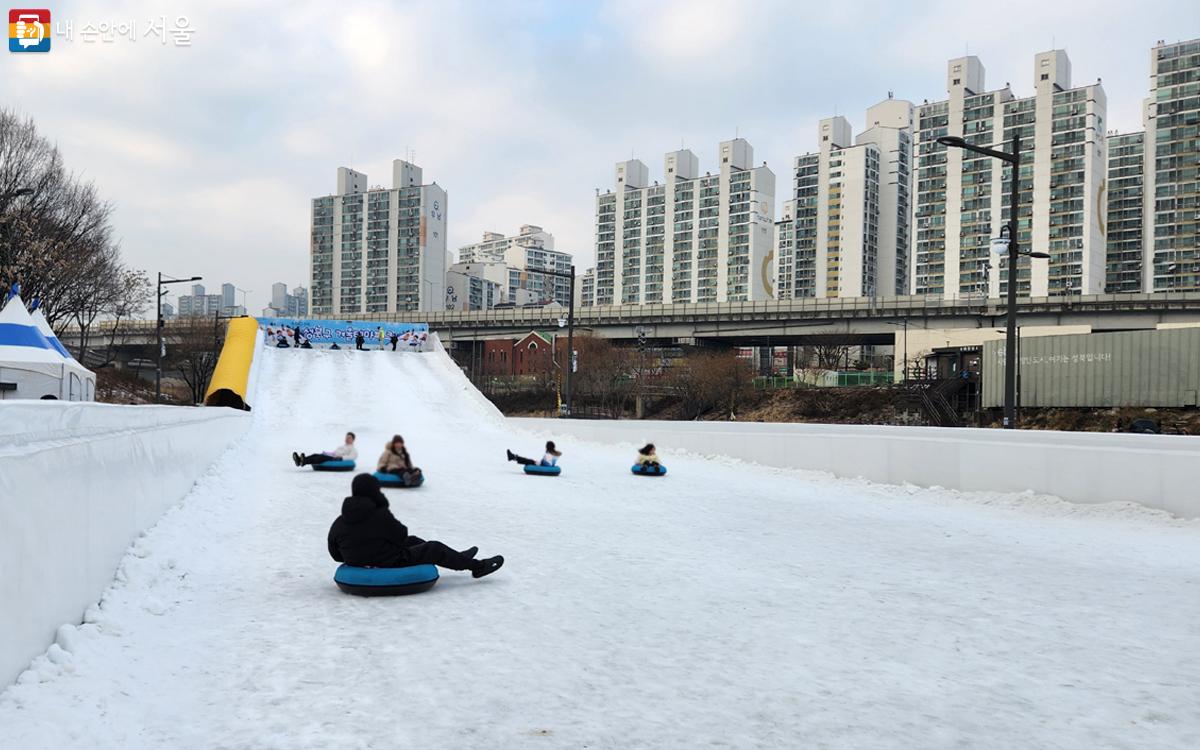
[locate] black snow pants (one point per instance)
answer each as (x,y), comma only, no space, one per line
(308,459)
(421,552)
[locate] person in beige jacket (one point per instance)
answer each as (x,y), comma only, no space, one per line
(395,460)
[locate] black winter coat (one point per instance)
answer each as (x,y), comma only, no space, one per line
(366,534)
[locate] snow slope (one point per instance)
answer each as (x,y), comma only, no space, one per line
(724,605)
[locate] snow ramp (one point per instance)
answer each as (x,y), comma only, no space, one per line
(725,605)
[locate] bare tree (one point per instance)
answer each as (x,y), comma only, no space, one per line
(830,350)
(119,295)
(193,346)
(55,236)
(605,376)
(708,380)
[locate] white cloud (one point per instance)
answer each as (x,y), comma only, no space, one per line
(519,109)
(135,147)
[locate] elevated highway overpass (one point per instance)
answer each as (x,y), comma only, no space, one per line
(855,320)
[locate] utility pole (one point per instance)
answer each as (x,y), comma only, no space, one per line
(1010,351)
(158,329)
(570,334)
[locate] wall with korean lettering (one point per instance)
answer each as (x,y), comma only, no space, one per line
(1131,368)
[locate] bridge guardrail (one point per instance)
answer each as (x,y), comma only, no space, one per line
(717,312)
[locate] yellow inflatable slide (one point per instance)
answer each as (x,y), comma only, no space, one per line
(232,374)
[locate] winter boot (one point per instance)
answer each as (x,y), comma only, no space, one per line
(511,456)
(297,459)
(482,568)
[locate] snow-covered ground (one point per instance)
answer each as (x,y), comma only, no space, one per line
(726,605)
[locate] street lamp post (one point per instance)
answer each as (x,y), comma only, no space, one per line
(245,310)
(1010,351)
(904,362)
(158,326)
(570,333)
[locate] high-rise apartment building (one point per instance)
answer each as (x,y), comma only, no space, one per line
(482,283)
(846,230)
(692,238)
(962,197)
(785,253)
(379,250)
(467,290)
(528,254)
(198,303)
(587,289)
(1172,213)
(285,304)
(1125,239)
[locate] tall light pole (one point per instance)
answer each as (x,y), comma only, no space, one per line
(570,333)
(904,365)
(245,310)
(158,326)
(1010,351)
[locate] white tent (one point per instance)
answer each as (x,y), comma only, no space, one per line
(87,378)
(31,366)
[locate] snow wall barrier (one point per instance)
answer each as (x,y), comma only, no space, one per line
(78,483)
(1157,471)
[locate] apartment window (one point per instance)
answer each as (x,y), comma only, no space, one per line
(957,81)
(1045,76)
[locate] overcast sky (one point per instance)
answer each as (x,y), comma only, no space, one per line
(212,153)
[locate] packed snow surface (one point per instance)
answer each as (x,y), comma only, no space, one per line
(725,605)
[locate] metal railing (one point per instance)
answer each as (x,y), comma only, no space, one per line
(916,306)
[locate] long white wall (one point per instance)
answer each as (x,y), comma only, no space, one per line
(1158,471)
(78,483)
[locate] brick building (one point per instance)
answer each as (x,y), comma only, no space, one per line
(531,355)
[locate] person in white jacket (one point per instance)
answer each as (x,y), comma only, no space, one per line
(345,452)
(550,458)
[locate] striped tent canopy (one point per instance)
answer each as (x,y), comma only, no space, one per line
(34,365)
(39,320)
(22,342)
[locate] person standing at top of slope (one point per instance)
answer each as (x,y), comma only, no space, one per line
(550,458)
(367,535)
(344,452)
(395,460)
(382,337)
(358,340)
(394,338)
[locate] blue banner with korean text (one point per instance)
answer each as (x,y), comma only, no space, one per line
(344,333)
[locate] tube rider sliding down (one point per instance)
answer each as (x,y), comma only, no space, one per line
(367,535)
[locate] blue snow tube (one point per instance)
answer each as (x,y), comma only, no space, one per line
(334,466)
(385,581)
(646,471)
(544,471)
(395,480)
